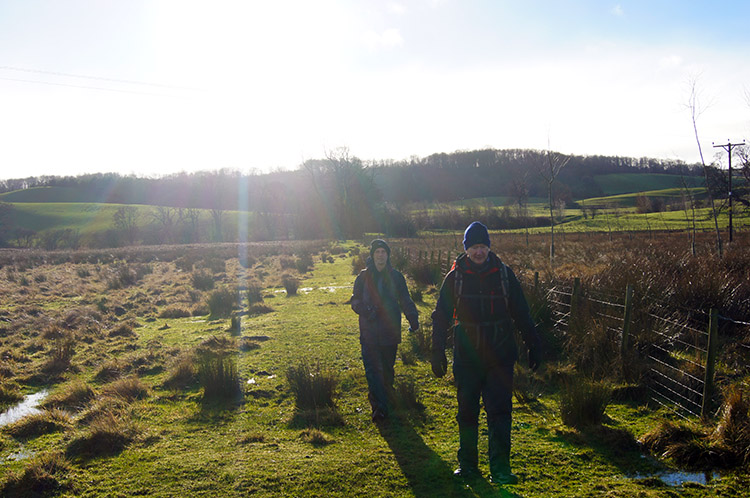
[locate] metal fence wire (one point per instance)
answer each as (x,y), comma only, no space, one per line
(674,343)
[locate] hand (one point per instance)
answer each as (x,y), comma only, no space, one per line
(439,363)
(414,327)
(534,360)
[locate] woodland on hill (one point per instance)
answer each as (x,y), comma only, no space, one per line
(343,196)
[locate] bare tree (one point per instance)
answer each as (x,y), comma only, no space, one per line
(695,109)
(549,168)
(126,221)
(166,218)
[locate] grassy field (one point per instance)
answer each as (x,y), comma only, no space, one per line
(131,323)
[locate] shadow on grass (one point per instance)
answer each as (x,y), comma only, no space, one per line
(428,475)
(616,445)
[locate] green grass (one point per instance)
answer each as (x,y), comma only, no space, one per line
(174,442)
(623,183)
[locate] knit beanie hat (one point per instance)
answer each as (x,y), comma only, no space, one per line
(476,233)
(378,243)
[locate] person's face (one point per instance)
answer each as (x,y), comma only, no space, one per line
(380,258)
(478,253)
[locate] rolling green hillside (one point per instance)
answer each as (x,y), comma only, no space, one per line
(46,194)
(624,183)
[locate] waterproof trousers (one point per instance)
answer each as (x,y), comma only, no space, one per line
(379,361)
(494,384)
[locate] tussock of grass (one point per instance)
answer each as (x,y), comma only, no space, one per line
(174,312)
(313,385)
(290,283)
(202,280)
(316,437)
(182,372)
(108,434)
(44,475)
(259,309)
(9,393)
(122,330)
(254,293)
(217,368)
(72,396)
(221,303)
(110,369)
(37,424)
(129,389)
(104,406)
(583,402)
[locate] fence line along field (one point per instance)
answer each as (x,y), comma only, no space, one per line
(235,370)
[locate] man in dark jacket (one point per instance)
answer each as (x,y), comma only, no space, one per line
(481,301)
(380,296)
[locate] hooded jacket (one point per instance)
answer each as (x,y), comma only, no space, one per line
(379,298)
(482,304)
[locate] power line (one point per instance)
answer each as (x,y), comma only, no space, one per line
(86,87)
(100,78)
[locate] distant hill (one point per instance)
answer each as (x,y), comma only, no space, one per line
(626,183)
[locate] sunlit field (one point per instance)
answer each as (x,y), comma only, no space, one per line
(177,368)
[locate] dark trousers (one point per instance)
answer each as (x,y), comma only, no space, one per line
(379,361)
(494,384)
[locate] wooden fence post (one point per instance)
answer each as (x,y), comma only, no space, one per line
(625,343)
(708,381)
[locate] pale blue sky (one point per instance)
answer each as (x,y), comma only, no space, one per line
(159,86)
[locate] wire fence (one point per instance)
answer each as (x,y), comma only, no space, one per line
(676,345)
(672,357)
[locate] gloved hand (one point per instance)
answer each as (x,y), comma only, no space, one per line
(535,359)
(413,327)
(439,363)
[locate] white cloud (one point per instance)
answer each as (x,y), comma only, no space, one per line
(618,10)
(389,38)
(396,8)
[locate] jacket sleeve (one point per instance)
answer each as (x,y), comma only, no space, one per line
(357,301)
(443,313)
(406,303)
(519,311)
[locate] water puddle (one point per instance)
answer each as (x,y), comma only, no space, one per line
(26,407)
(678,477)
(325,288)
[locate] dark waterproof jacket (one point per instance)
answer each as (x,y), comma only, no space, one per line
(379,298)
(482,306)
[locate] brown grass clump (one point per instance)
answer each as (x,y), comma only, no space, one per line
(129,389)
(222,302)
(73,396)
(290,283)
(182,372)
(217,368)
(108,434)
(583,402)
(733,430)
(44,475)
(110,369)
(41,423)
(123,330)
(174,312)
(9,394)
(316,437)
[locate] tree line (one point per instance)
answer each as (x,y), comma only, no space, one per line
(342,196)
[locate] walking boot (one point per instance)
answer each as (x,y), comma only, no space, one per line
(499,449)
(468,455)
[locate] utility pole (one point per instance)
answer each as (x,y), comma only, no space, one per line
(728,147)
